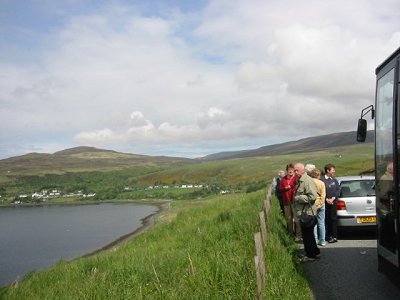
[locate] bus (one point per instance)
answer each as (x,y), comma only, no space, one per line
(386,115)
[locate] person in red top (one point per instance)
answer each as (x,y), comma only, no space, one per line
(287,187)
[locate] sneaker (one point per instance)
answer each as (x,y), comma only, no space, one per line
(306,259)
(318,256)
(322,243)
(332,240)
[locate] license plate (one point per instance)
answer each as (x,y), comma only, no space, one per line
(366,220)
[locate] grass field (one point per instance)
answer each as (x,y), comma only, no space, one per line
(233,174)
(197,250)
(202,248)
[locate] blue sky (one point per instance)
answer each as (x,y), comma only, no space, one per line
(186,78)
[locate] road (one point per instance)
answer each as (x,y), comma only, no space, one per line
(348,269)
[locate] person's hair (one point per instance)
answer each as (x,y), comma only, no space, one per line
(309,168)
(328,167)
(289,166)
(315,173)
(281,172)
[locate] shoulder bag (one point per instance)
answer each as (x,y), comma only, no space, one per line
(306,220)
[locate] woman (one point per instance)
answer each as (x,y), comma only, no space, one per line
(319,205)
(287,187)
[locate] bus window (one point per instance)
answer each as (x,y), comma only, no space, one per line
(384,119)
(385,168)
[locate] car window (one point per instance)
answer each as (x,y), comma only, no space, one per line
(357,188)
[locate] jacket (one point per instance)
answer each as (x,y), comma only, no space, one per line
(305,195)
(288,194)
(278,192)
(320,201)
(332,187)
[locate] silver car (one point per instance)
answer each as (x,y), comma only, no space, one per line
(356,204)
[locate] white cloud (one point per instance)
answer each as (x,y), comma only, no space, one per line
(215,112)
(98,137)
(236,73)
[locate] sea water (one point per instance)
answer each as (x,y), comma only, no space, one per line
(36,237)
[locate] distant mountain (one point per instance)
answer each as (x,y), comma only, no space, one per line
(303,145)
(83,159)
(81,149)
(89,158)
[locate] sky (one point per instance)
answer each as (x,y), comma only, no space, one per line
(186,78)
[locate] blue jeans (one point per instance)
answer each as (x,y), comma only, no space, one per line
(319,229)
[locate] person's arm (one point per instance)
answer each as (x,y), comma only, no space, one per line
(309,194)
(313,192)
(337,190)
(281,186)
(323,192)
(274,185)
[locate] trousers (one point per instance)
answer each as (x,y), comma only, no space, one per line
(319,229)
(331,220)
(310,245)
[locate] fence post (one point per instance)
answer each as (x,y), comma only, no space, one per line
(268,200)
(269,193)
(260,265)
(267,205)
(260,239)
(263,228)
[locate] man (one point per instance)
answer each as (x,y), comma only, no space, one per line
(304,198)
(278,192)
(385,186)
(332,195)
(386,228)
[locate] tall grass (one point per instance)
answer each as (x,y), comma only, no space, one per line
(285,277)
(199,250)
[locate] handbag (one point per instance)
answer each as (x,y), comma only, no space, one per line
(306,220)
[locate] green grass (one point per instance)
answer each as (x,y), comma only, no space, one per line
(285,278)
(200,249)
(233,174)
(197,250)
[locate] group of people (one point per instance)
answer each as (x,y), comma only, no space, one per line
(305,188)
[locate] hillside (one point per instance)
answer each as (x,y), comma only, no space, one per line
(90,158)
(82,159)
(309,144)
(132,179)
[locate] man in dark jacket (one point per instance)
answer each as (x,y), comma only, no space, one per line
(277,191)
(332,195)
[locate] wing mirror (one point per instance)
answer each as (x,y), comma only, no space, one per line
(362,123)
(361,130)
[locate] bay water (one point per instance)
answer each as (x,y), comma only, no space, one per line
(36,237)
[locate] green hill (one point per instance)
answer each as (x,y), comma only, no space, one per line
(309,144)
(122,176)
(81,159)
(201,247)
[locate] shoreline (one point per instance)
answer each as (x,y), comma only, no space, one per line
(147,223)
(86,202)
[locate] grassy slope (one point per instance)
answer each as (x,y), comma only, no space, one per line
(228,174)
(348,160)
(198,250)
(37,164)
